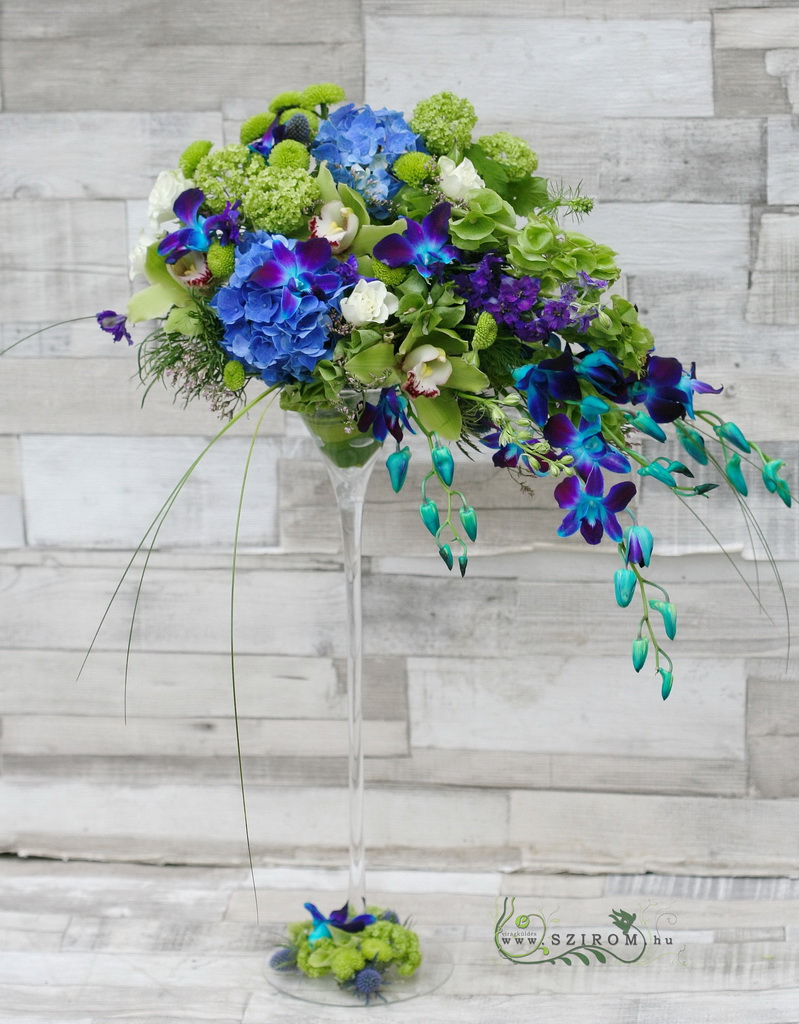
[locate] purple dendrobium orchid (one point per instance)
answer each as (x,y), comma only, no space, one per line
(296,272)
(423,246)
(389,416)
(508,456)
(604,371)
(199,231)
(337,919)
(585,444)
(114,324)
(266,143)
(551,378)
(591,510)
(667,390)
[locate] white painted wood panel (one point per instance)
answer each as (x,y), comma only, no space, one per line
(751,28)
(783,161)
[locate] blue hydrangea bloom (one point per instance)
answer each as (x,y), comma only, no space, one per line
(276,305)
(360,144)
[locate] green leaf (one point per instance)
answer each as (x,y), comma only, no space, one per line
(581,956)
(600,956)
(372,363)
(326,183)
(152,303)
(370,234)
(493,174)
(465,377)
(527,195)
(355,202)
(180,320)
(440,415)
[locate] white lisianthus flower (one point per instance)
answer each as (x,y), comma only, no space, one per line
(458,180)
(168,186)
(370,302)
(427,368)
(337,223)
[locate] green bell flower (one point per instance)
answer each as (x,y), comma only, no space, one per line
(732,433)
(625,582)
(397,466)
(468,518)
(669,613)
(446,554)
(640,651)
(735,474)
(428,510)
(443,464)
(668,681)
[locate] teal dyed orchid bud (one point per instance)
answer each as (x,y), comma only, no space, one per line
(693,442)
(443,464)
(640,651)
(659,473)
(397,466)
(462,563)
(735,474)
(428,510)
(638,543)
(679,467)
(733,433)
(775,483)
(468,518)
(646,425)
(624,582)
(669,613)
(446,554)
(668,681)
(592,407)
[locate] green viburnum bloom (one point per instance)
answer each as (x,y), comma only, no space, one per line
(290,153)
(413,168)
(322,92)
(444,120)
(346,961)
(279,199)
(379,948)
(227,175)
(289,98)
(254,127)
(511,152)
(193,154)
(481,225)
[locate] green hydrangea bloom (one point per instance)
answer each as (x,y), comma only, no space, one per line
(485,333)
(221,259)
(227,175)
(413,168)
(290,98)
(193,154)
(254,127)
(346,961)
(390,276)
(279,199)
(234,375)
(322,92)
(444,120)
(290,153)
(512,152)
(379,948)
(313,960)
(313,120)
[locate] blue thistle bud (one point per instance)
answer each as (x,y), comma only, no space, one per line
(463,561)
(640,651)
(283,959)
(368,980)
(397,466)
(669,613)
(668,680)
(428,510)
(693,442)
(468,518)
(733,433)
(443,464)
(624,581)
(659,473)
(735,474)
(638,543)
(641,421)
(446,554)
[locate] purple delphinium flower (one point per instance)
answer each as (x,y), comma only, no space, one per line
(114,324)
(199,231)
(667,390)
(423,246)
(585,444)
(591,511)
(388,416)
(337,919)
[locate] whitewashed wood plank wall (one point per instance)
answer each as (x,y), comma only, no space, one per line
(505,725)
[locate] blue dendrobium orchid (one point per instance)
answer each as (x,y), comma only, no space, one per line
(199,231)
(551,378)
(509,455)
(337,919)
(423,246)
(667,390)
(591,510)
(297,272)
(639,543)
(388,416)
(585,444)
(604,371)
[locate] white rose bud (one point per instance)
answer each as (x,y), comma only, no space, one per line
(168,186)
(369,302)
(458,180)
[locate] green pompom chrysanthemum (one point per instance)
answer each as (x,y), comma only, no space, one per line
(221,260)
(390,276)
(254,127)
(346,961)
(444,120)
(309,115)
(413,168)
(193,154)
(512,152)
(234,375)
(290,98)
(289,153)
(485,333)
(279,199)
(227,175)
(322,92)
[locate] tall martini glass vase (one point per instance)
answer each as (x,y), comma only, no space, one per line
(349,455)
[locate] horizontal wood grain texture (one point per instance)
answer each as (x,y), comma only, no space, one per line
(744,87)
(773,295)
(633,59)
(755,28)
(783,159)
(784,65)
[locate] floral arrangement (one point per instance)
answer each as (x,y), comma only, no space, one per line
(363,953)
(338,248)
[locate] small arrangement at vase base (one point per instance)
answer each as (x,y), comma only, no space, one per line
(350,959)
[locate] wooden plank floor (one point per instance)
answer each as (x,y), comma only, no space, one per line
(84,943)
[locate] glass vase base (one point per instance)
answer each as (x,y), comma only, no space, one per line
(431,974)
